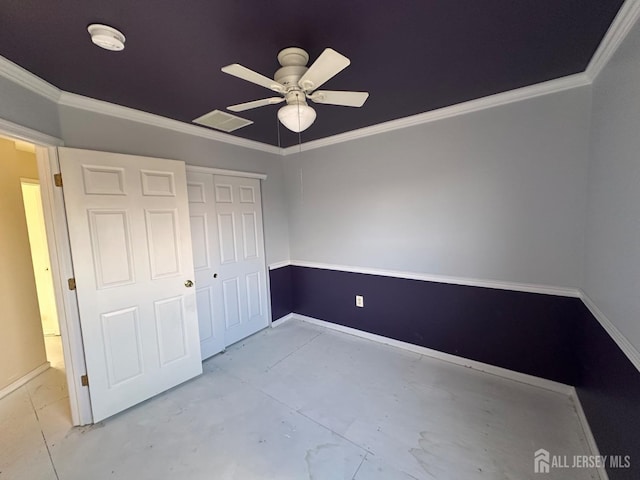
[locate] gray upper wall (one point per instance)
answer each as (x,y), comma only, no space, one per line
(496,194)
(28,109)
(84,129)
(93,131)
(612,266)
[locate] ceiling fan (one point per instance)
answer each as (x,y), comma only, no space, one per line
(296,83)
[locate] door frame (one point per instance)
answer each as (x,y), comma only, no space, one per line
(55,220)
(60,255)
(261,177)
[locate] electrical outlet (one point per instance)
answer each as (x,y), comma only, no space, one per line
(359,301)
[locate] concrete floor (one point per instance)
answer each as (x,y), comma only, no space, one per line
(296,402)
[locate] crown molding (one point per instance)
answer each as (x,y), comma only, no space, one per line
(625,19)
(32,82)
(228,173)
(623,22)
(28,80)
(105,108)
(517,95)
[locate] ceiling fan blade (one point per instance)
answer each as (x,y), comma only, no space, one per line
(244,73)
(335,97)
(328,64)
(241,107)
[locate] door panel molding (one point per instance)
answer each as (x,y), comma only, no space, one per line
(231,204)
(140,335)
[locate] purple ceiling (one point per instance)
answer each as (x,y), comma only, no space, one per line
(412,56)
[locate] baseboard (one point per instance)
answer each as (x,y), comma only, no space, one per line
(591,441)
(22,380)
(483,367)
(464,362)
(281,320)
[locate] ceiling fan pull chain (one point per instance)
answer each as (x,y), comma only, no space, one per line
(278,127)
(299,129)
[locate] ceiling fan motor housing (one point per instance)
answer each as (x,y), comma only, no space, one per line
(289,75)
(293,61)
(296,83)
(293,56)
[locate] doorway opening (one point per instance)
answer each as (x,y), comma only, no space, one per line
(41,262)
(31,340)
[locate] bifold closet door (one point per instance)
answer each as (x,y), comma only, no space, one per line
(242,270)
(204,235)
(230,269)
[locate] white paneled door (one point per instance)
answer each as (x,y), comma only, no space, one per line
(226,224)
(242,271)
(204,234)
(130,238)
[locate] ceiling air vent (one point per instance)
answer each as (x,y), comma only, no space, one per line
(222,121)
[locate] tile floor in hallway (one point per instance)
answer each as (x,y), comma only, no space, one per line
(300,402)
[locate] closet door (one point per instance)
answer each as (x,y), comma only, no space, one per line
(242,270)
(228,258)
(204,235)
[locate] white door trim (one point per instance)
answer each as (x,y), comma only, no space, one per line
(230,173)
(15,131)
(66,302)
(60,255)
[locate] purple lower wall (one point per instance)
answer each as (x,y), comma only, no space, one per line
(515,330)
(281,288)
(543,335)
(608,385)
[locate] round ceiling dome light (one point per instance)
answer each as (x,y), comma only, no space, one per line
(106,37)
(297,117)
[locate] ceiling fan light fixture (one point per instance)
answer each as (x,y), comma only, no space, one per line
(106,37)
(297,117)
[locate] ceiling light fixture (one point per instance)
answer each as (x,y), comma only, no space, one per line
(106,37)
(297,117)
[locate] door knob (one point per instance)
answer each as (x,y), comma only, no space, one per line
(188,284)
(215,275)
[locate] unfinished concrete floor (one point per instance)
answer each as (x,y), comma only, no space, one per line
(300,402)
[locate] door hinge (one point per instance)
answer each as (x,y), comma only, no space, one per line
(57,179)
(72,283)
(84,380)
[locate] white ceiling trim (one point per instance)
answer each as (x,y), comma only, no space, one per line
(626,18)
(28,80)
(524,93)
(105,108)
(228,173)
